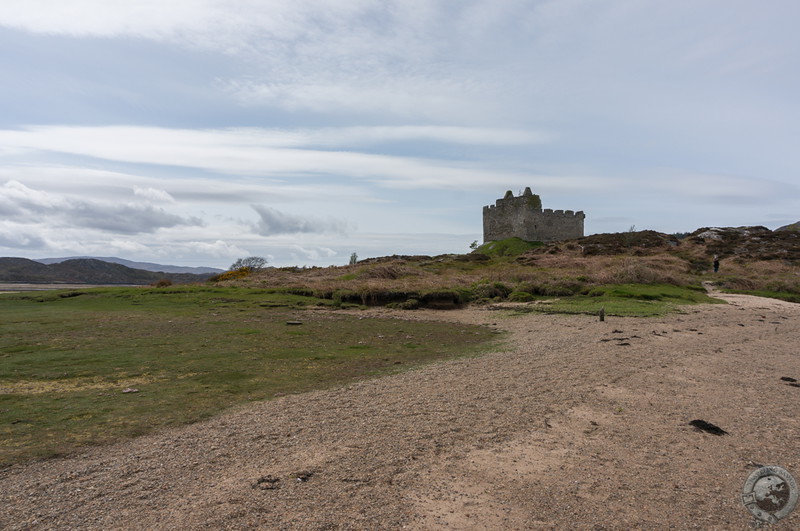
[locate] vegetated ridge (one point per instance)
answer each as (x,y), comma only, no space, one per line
(86,271)
(753,259)
(793,226)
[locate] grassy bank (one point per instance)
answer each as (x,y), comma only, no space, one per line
(89,367)
(625,300)
(757,261)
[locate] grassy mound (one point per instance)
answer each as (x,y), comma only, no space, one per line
(510,247)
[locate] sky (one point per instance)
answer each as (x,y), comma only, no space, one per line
(196,132)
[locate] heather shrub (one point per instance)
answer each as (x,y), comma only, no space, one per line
(784,285)
(556,287)
(739,283)
(564,288)
(520,296)
(490,290)
(382,271)
(446,297)
(236,274)
(635,272)
(410,304)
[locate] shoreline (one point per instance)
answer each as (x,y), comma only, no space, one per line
(18,287)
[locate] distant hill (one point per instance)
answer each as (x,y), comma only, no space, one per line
(86,271)
(146,266)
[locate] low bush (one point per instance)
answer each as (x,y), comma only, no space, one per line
(632,271)
(520,296)
(235,274)
(410,304)
(784,286)
(563,287)
(738,283)
(445,298)
(383,271)
(490,290)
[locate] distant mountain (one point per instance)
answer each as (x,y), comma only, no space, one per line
(86,271)
(146,266)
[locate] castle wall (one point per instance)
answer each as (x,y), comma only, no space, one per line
(523,217)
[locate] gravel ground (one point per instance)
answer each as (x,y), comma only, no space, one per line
(573,424)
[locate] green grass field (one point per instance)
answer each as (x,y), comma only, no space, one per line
(183,354)
(627,300)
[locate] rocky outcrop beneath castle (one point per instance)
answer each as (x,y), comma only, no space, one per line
(523,217)
(641,243)
(750,243)
(794,227)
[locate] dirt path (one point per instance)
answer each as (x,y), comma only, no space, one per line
(574,424)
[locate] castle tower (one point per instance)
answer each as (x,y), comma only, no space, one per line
(523,217)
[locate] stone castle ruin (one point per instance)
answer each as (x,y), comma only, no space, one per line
(522,217)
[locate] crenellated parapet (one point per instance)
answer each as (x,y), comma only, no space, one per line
(523,217)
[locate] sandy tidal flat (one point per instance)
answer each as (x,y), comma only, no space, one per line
(573,424)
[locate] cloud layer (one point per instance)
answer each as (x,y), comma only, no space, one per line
(18,203)
(275,222)
(304,130)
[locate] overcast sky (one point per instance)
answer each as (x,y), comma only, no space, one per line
(195,132)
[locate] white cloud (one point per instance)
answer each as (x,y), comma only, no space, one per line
(16,198)
(105,18)
(234,26)
(153,194)
(259,152)
(274,222)
(15,236)
(104,141)
(190,195)
(26,205)
(218,248)
(313,254)
(420,97)
(360,136)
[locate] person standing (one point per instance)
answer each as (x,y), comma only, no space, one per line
(716,264)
